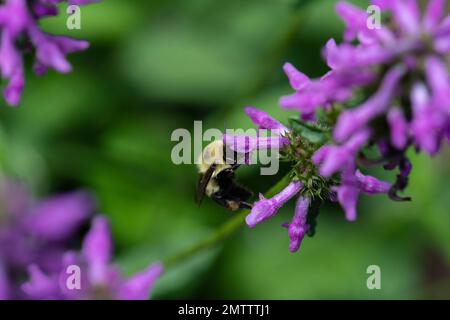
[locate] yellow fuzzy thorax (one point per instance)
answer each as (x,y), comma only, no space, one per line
(212,154)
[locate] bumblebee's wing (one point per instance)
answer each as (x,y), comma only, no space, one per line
(202,183)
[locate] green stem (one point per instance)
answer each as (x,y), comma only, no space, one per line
(223,232)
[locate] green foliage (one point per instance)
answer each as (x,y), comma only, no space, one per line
(315,134)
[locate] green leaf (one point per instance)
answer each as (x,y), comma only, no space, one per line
(312,133)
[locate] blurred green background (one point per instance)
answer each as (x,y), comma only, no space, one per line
(155,66)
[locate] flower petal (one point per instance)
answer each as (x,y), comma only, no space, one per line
(139,286)
(265,209)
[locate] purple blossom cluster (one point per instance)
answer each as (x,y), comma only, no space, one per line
(411,105)
(20,34)
(401,70)
(37,247)
(99,278)
(265,209)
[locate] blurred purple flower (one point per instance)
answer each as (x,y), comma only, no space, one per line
(19,20)
(399,128)
(312,94)
(4,282)
(57,218)
(36,232)
(101,280)
(352,121)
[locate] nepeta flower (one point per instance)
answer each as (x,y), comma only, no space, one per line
(19,30)
(264,121)
(298,227)
(429,125)
(246,144)
(419,47)
(352,184)
(399,128)
(411,105)
(264,209)
(340,158)
(311,94)
(100,279)
(36,232)
(351,121)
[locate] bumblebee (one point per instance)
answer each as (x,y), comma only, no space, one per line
(217,177)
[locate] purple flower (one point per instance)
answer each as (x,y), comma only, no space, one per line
(387,86)
(351,187)
(264,121)
(139,286)
(354,18)
(371,185)
(57,218)
(428,123)
(312,94)
(97,251)
(347,195)
(4,282)
(334,159)
(36,233)
(399,128)
(19,19)
(400,51)
(41,286)
(248,144)
(346,56)
(297,79)
(298,227)
(401,67)
(352,121)
(101,280)
(265,209)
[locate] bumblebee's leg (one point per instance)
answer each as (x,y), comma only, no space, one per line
(219,199)
(225,202)
(245,205)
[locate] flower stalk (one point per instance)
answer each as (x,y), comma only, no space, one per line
(222,233)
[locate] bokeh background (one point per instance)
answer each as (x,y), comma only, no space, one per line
(155,66)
